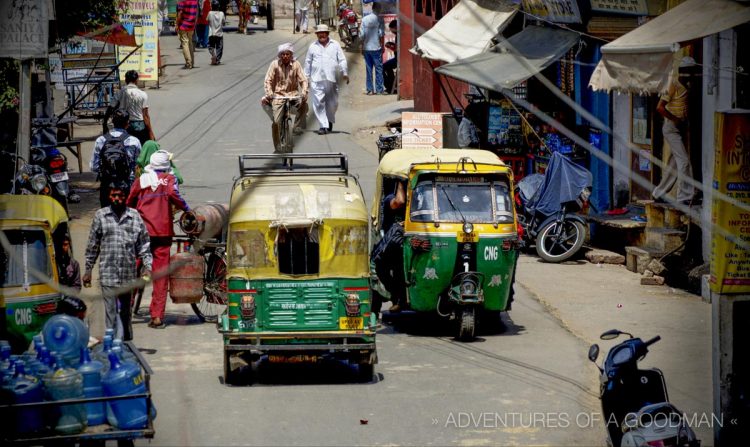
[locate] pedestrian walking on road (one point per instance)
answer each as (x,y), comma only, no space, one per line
(201,27)
(390,66)
(153,195)
(187,17)
(144,159)
(324,62)
(300,15)
(373,33)
(118,236)
(134,101)
(285,78)
(243,11)
(114,155)
(216,21)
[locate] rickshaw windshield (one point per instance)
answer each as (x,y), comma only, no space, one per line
(28,250)
(455,199)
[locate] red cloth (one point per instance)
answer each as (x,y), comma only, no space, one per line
(160,251)
(203,18)
(154,206)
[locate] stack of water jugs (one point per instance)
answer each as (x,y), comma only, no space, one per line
(60,366)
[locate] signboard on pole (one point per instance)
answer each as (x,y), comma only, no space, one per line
(429,130)
(141,18)
(730,259)
(24,29)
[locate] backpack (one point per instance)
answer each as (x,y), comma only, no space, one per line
(114,159)
(386,254)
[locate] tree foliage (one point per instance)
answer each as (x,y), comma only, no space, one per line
(80,15)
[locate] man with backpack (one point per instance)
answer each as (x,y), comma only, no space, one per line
(114,156)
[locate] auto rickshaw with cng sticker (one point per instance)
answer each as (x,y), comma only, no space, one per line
(297,265)
(459,240)
(35,227)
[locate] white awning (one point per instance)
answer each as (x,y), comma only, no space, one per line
(465,30)
(513,60)
(642,60)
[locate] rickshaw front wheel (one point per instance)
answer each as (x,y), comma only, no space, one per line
(467,316)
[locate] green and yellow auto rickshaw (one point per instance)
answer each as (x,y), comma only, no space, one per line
(297,265)
(460,241)
(34,226)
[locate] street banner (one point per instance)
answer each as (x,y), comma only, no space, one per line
(24,29)
(429,130)
(140,18)
(730,260)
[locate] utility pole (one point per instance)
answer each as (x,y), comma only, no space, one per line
(23,139)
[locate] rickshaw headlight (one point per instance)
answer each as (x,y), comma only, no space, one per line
(468,288)
(352,305)
(247,307)
(468,227)
(38,182)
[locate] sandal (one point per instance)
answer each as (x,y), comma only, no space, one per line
(154,325)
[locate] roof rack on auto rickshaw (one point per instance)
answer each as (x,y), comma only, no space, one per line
(257,164)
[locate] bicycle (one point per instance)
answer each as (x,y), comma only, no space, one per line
(286,126)
(387,143)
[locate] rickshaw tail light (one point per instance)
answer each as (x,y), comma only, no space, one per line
(507,244)
(352,305)
(247,306)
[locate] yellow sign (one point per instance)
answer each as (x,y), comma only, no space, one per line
(142,18)
(351,323)
(730,260)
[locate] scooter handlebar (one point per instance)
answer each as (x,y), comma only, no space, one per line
(652,341)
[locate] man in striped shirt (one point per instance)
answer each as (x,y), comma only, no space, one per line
(187,17)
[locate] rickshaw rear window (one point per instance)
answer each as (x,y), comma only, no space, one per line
(446,199)
(298,251)
(28,250)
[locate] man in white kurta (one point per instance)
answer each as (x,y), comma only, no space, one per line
(325,59)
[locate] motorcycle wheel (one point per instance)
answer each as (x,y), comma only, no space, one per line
(467,317)
(554,248)
(344,35)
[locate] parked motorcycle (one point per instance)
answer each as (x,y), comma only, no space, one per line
(548,204)
(45,153)
(635,404)
(348,26)
(31,179)
(389,142)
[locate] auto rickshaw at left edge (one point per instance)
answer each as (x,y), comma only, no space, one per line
(35,226)
(297,266)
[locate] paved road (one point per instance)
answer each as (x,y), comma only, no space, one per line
(527,383)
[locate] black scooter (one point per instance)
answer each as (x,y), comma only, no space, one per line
(635,405)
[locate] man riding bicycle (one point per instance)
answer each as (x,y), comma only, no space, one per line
(285,77)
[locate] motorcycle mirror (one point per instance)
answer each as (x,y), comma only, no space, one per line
(610,334)
(594,352)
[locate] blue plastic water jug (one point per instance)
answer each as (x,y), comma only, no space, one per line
(91,370)
(101,352)
(66,335)
(67,383)
(25,389)
(125,354)
(124,379)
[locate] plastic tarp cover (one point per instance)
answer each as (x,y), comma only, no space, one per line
(641,61)
(513,60)
(563,182)
(465,30)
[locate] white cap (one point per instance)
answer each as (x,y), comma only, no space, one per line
(322,28)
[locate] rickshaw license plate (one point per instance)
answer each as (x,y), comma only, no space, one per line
(471,237)
(350,323)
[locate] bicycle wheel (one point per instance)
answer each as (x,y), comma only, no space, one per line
(288,125)
(214,300)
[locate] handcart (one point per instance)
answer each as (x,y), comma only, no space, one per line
(93,434)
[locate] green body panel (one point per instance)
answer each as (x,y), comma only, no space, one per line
(430,273)
(24,322)
(287,306)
